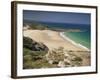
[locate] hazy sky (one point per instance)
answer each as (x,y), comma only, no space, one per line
(57,17)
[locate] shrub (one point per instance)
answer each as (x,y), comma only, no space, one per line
(77,59)
(27,58)
(27,51)
(27,42)
(27,65)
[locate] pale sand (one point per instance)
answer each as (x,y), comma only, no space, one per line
(52,39)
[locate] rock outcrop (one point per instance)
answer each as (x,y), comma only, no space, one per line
(63,58)
(33,45)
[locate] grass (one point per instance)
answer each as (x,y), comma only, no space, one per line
(39,63)
(34,59)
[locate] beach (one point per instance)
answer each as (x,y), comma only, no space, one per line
(73,42)
(54,39)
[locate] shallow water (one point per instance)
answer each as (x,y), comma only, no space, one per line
(82,37)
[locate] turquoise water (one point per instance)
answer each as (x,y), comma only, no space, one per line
(82,37)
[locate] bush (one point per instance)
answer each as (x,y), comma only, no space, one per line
(42,63)
(38,53)
(26,51)
(27,65)
(27,58)
(27,42)
(77,59)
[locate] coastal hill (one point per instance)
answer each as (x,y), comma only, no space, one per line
(43,26)
(35,25)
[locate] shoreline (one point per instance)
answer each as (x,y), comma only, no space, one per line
(54,39)
(73,42)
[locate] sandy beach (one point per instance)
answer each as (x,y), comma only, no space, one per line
(53,39)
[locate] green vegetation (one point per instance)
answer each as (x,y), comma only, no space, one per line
(26,51)
(34,54)
(37,64)
(27,42)
(34,59)
(38,26)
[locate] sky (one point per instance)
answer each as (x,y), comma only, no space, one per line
(57,17)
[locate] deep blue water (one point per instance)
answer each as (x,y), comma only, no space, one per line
(67,26)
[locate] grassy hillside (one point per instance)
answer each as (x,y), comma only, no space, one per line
(34,54)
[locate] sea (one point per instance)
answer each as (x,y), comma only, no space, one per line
(82,37)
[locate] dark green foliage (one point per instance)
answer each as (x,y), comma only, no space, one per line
(26,51)
(27,42)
